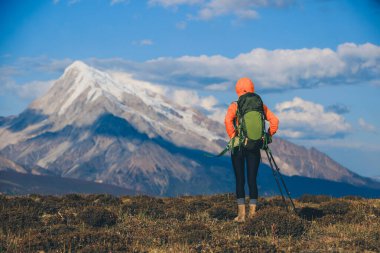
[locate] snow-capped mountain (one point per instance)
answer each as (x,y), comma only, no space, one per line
(83,93)
(93,125)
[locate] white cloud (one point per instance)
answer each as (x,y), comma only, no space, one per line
(7,71)
(113,2)
(28,90)
(71,2)
(192,99)
(144,42)
(41,64)
(240,8)
(217,114)
(173,3)
(280,69)
(307,120)
(366,126)
(26,69)
(218,86)
(375,83)
(181,25)
(208,104)
(19,79)
(34,89)
(208,9)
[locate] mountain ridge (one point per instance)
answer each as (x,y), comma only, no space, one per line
(92,126)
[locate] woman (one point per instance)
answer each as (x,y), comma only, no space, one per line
(241,155)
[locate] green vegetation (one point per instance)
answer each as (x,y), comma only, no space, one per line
(104,223)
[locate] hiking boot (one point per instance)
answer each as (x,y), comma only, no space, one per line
(241,214)
(252,211)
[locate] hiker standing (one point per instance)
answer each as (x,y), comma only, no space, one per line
(245,125)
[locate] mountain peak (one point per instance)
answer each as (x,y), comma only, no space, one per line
(79,69)
(80,65)
(80,84)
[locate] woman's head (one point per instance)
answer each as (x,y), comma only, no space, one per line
(244,85)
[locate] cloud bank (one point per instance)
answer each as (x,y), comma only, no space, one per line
(364,125)
(271,70)
(303,119)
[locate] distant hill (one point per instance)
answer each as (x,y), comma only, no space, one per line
(298,186)
(15,183)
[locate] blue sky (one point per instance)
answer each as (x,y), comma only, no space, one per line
(316,63)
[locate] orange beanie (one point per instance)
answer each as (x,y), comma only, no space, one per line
(244,85)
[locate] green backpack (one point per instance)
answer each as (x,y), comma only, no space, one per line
(251,127)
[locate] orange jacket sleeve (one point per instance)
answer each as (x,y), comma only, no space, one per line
(273,120)
(229,120)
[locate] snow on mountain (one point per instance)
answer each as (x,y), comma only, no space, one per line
(83,93)
(8,165)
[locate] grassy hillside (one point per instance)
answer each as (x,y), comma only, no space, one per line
(104,223)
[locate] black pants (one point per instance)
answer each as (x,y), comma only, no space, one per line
(252,158)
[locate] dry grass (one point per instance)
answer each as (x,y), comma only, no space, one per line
(104,223)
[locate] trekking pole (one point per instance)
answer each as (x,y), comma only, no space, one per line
(282,179)
(276,178)
(271,159)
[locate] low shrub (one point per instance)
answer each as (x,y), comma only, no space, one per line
(349,218)
(352,197)
(175,208)
(18,219)
(196,206)
(60,230)
(104,199)
(263,203)
(335,207)
(363,243)
(376,211)
(355,217)
(98,217)
(330,219)
(310,213)
(224,200)
(74,200)
(316,199)
(243,245)
(277,222)
(148,206)
(76,241)
(3,245)
(221,213)
(194,233)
